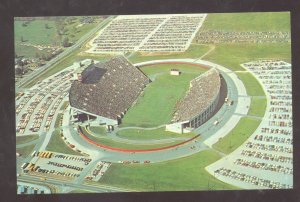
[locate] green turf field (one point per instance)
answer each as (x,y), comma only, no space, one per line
(112,143)
(155,107)
(25,151)
(258,106)
(239,134)
(269,21)
(253,87)
(56,144)
(25,139)
(184,174)
(194,51)
(139,134)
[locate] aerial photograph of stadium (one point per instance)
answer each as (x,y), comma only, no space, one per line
(151,103)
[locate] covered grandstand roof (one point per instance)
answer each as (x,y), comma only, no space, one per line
(108,88)
(92,74)
(203,90)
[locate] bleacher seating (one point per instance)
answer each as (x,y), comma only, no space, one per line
(113,93)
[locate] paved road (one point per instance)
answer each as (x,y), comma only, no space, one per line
(69,50)
(90,187)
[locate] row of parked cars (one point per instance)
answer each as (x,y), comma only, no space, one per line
(134,161)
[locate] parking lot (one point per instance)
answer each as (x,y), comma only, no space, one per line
(53,165)
(37,107)
(98,171)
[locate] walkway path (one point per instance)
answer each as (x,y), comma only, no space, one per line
(208,52)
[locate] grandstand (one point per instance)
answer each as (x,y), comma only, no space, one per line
(199,104)
(106,90)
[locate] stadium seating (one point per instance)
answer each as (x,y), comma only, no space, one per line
(202,94)
(113,93)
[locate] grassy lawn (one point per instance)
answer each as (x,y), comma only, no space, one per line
(185,174)
(160,133)
(258,106)
(155,107)
(25,151)
(232,55)
(239,134)
(58,118)
(98,130)
(56,144)
(35,32)
(80,191)
(76,30)
(28,51)
(25,139)
(64,105)
(112,143)
(268,21)
(194,51)
(253,87)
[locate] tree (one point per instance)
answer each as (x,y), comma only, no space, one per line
(37,55)
(22,39)
(66,42)
(47,26)
(19,71)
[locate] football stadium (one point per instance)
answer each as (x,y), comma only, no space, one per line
(202,104)
(107,90)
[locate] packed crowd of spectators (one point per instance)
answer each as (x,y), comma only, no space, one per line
(113,93)
(148,33)
(202,93)
(215,36)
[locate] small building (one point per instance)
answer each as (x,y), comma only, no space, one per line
(175,72)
